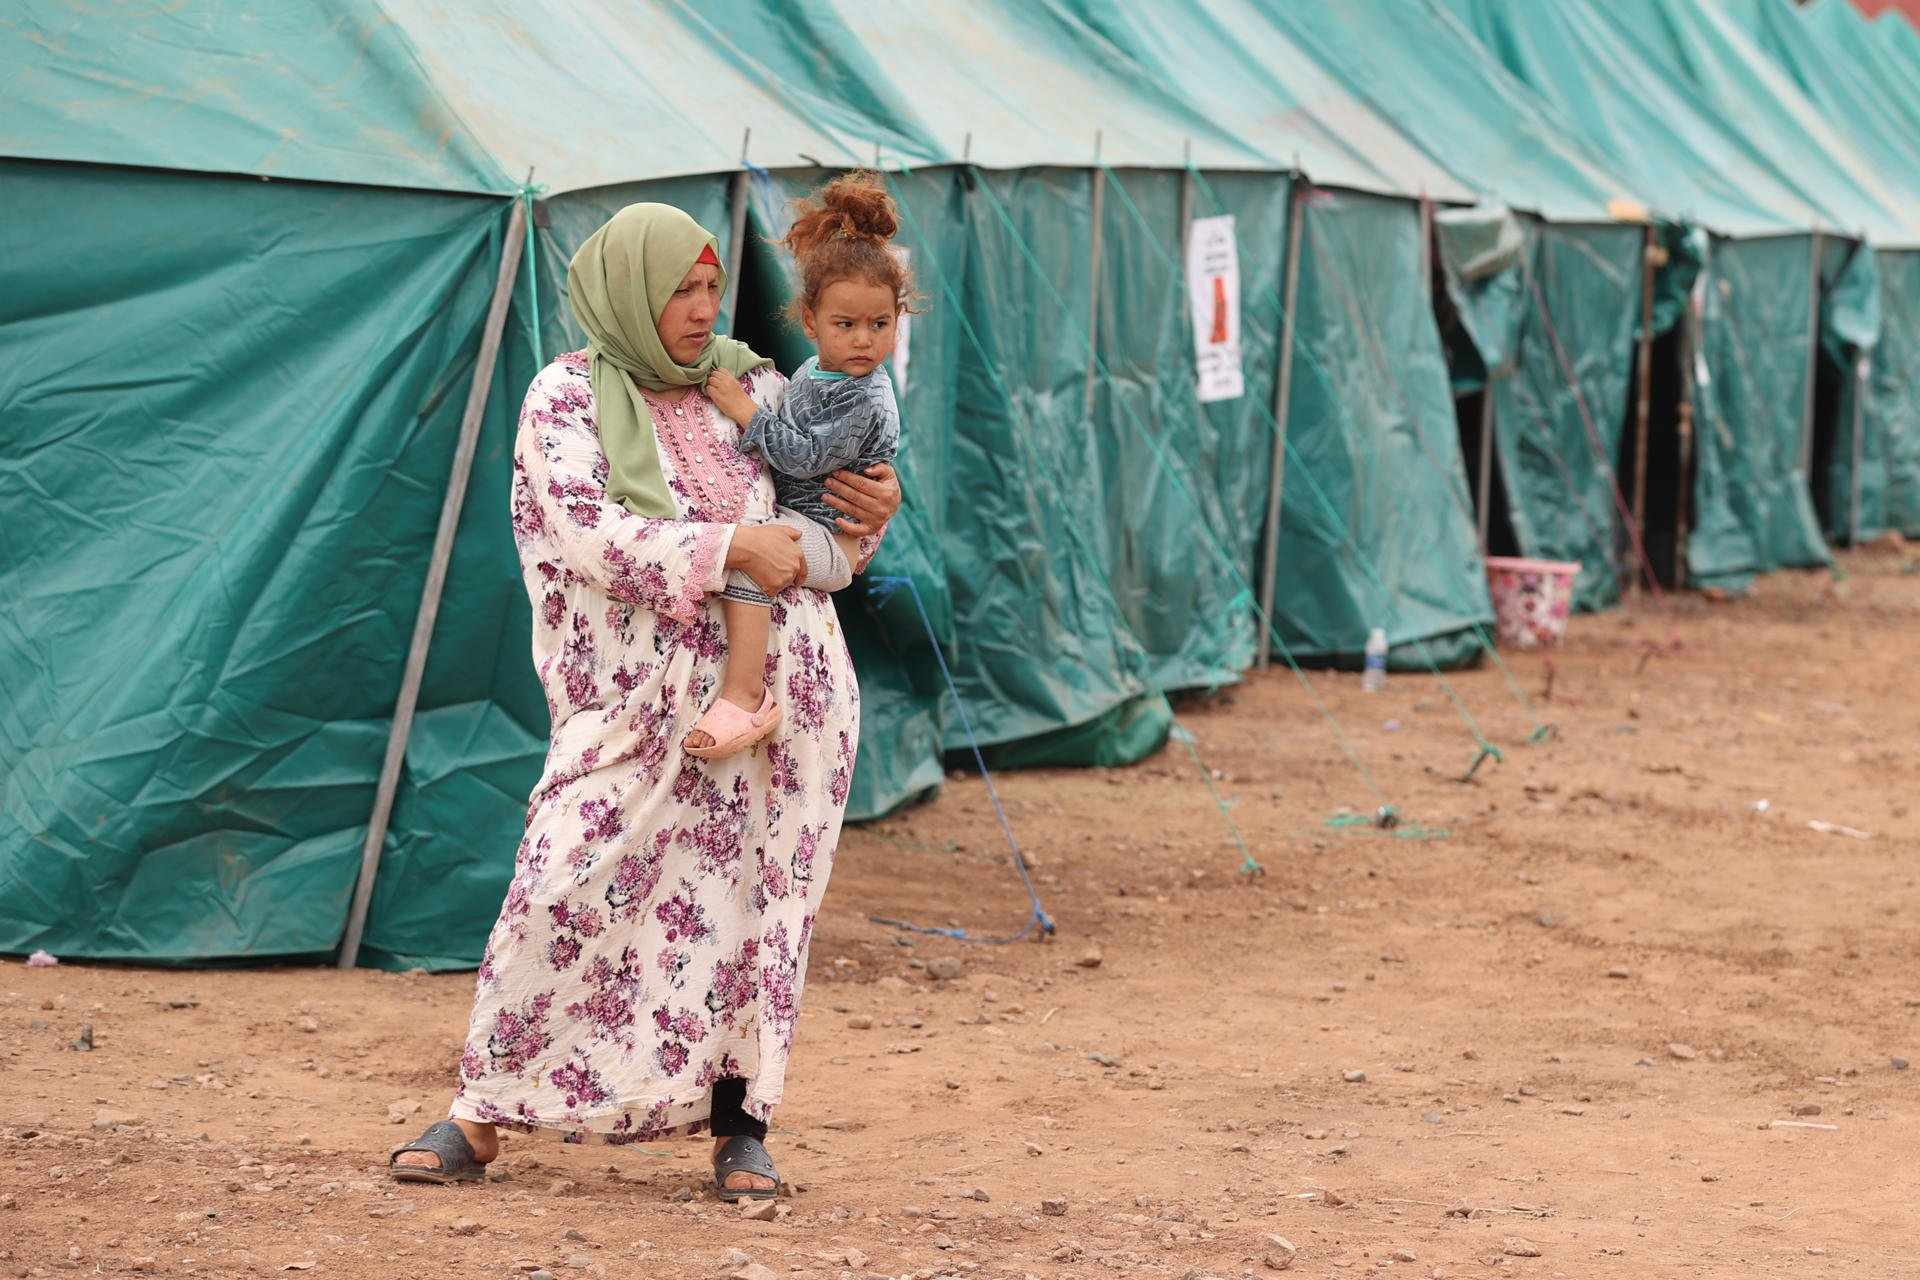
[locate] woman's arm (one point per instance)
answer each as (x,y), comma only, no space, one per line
(560,490)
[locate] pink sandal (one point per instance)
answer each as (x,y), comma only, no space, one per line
(733,729)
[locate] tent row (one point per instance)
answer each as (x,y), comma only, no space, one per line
(248,290)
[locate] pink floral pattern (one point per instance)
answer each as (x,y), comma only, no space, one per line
(653,939)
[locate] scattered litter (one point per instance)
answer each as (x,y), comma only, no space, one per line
(42,960)
(1761,806)
(1803,1124)
(1835,829)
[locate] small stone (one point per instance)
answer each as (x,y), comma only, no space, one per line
(1546,919)
(1471,1055)
(1035,1149)
(734,1259)
(541,1274)
(1515,1247)
(1054,1208)
(309,1025)
(83,1043)
(753,1271)
(574,1236)
(466,1226)
(1900,1064)
(757,1210)
(1280,1253)
(1354,1077)
(1332,1199)
(1620,971)
(1709,1177)
(1684,1052)
(1814,1250)
(1104,1060)
(107,1118)
(978,1194)
(1403,1255)
(1090,958)
(402,1111)
(860,1022)
(945,968)
(1806,1109)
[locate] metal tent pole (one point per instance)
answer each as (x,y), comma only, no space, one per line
(430,590)
(1282,395)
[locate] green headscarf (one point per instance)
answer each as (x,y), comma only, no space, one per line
(620,281)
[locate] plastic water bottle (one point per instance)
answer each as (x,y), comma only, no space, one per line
(1374,677)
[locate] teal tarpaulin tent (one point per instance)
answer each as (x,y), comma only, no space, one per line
(245,289)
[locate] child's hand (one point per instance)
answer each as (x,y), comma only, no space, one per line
(730,397)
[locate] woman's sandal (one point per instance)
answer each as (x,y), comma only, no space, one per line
(733,729)
(742,1154)
(457,1161)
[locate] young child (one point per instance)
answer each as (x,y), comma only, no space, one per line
(838,413)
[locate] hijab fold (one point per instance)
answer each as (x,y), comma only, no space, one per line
(619,282)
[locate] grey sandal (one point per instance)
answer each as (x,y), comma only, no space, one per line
(741,1154)
(457,1161)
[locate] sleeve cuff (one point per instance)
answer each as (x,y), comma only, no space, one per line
(716,580)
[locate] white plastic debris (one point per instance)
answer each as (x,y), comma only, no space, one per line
(41,960)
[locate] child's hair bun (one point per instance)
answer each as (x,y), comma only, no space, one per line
(853,206)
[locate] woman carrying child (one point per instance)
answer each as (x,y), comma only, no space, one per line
(645,973)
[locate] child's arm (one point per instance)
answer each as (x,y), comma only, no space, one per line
(819,428)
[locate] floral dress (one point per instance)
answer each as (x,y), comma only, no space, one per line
(654,937)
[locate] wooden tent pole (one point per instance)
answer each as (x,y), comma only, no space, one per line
(1861,369)
(1093,288)
(1282,396)
(1643,408)
(1485,513)
(1813,361)
(450,504)
(1689,337)
(737,237)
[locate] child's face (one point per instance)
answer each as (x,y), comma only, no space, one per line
(853,326)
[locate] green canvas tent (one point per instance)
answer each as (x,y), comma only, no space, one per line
(1833,56)
(229,430)
(1628,81)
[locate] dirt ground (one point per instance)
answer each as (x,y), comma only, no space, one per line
(1582,1005)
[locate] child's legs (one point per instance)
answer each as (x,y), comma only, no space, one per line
(829,556)
(746,611)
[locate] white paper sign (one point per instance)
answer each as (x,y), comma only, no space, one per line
(902,339)
(1213,282)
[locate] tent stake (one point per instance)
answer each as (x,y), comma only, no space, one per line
(1282,396)
(737,235)
(1093,288)
(1644,406)
(430,590)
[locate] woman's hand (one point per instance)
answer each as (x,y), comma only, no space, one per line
(869,499)
(729,397)
(769,554)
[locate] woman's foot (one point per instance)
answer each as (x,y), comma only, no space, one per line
(740,1179)
(483,1138)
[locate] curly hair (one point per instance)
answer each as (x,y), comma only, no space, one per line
(846,233)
